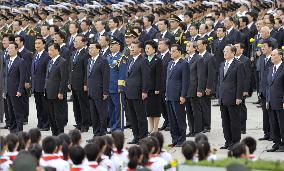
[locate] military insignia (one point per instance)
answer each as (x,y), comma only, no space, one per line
(91,36)
(124,61)
(114,62)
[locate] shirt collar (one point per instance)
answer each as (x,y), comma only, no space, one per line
(21,49)
(135,57)
(102,32)
(249,25)
(202,54)
(238,57)
(40,53)
(268,57)
(95,58)
(176,61)
(175,31)
(113,30)
(114,54)
(163,54)
(148,29)
(230,29)
(18,32)
(63,44)
(12,58)
(230,61)
(278,65)
(54,59)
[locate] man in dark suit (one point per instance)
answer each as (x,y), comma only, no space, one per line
(56,89)
(163,26)
(100,27)
(114,32)
(247,77)
(65,53)
(14,88)
(275,100)
(78,84)
(246,34)
(1,86)
(265,63)
(98,84)
(232,34)
(44,31)
(196,89)
(73,29)
(38,73)
(28,57)
(150,32)
(176,90)
(86,29)
(17,30)
(210,71)
(163,47)
(104,42)
(193,31)
(230,96)
(136,92)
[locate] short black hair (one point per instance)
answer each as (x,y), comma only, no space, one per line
(21,38)
(166,41)
(56,28)
(200,137)
(188,149)
(153,44)
(245,19)
(74,23)
(49,144)
(87,21)
(251,144)
(232,48)
(12,140)
(97,45)
(238,150)
(15,44)
(177,46)
(55,46)
(65,141)
(223,28)
(150,18)
(24,137)
(84,39)
(115,20)
(35,135)
(35,150)
(106,37)
(136,42)
(61,35)
(166,22)
(75,136)
(269,43)
(242,46)
(41,38)
(188,13)
(92,151)
(159,137)
(204,41)
(77,154)
(118,139)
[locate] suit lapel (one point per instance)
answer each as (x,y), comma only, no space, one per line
(230,67)
(13,64)
(277,72)
(174,67)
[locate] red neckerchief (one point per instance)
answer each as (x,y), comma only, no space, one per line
(149,163)
(3,160)
(75,169)
(12,157)
(118,151)
(128,169)
(61,157)
(153,155)
(93,165)
(48,158)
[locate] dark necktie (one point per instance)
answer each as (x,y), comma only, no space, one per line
(71,40)
(172,66)
(131,64)
(50,66)
(75,56)
(9,64)
(266,60)
(226,67)
(274,71)
(91,66)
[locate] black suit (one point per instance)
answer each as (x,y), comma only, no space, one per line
(98,84)
(15,82)
(210,72)
(230,89)
(56,83)
(167,35)
(48,41)
(263,73)
(197,82)
(234,36)
(117,34)
(165,60)
(105,53)
(28,58)
(66,54)
(77,80)
(137,82)
(275,101)
(38,73)
(247,77)
(3,107)
(176,87)
(246,37)
(70,43)
(150,35)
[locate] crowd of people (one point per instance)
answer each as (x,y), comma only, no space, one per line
(128,63)
(30,152)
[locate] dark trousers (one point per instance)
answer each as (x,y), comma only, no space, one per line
(65,104)
(56,115)
(138,118)
(26,107)
(7,117)
(194,114)
(1,106)
(231,123)
(266,118)
(164,110)
(177,121)
(243,115)
(99,114)
(116,112)
(277,126)
(16,113)
(206,111)
(81,108)
(42,110)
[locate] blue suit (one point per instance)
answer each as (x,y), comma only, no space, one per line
(118,70)
(176,87)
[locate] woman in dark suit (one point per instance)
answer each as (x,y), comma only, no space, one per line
(153,102)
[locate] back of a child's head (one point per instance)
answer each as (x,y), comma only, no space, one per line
(189,149)
(151,144)
(118,139)
(49,144)
(203,150)
(200,137)
(159,137)
(109,144)
(75,137)
(35,135)
(92,152)
(65,142)
(251,144)
(99,141)
(77,154)
(12,142)
(239,150)
(36,150)
(24,140)
(134,154)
